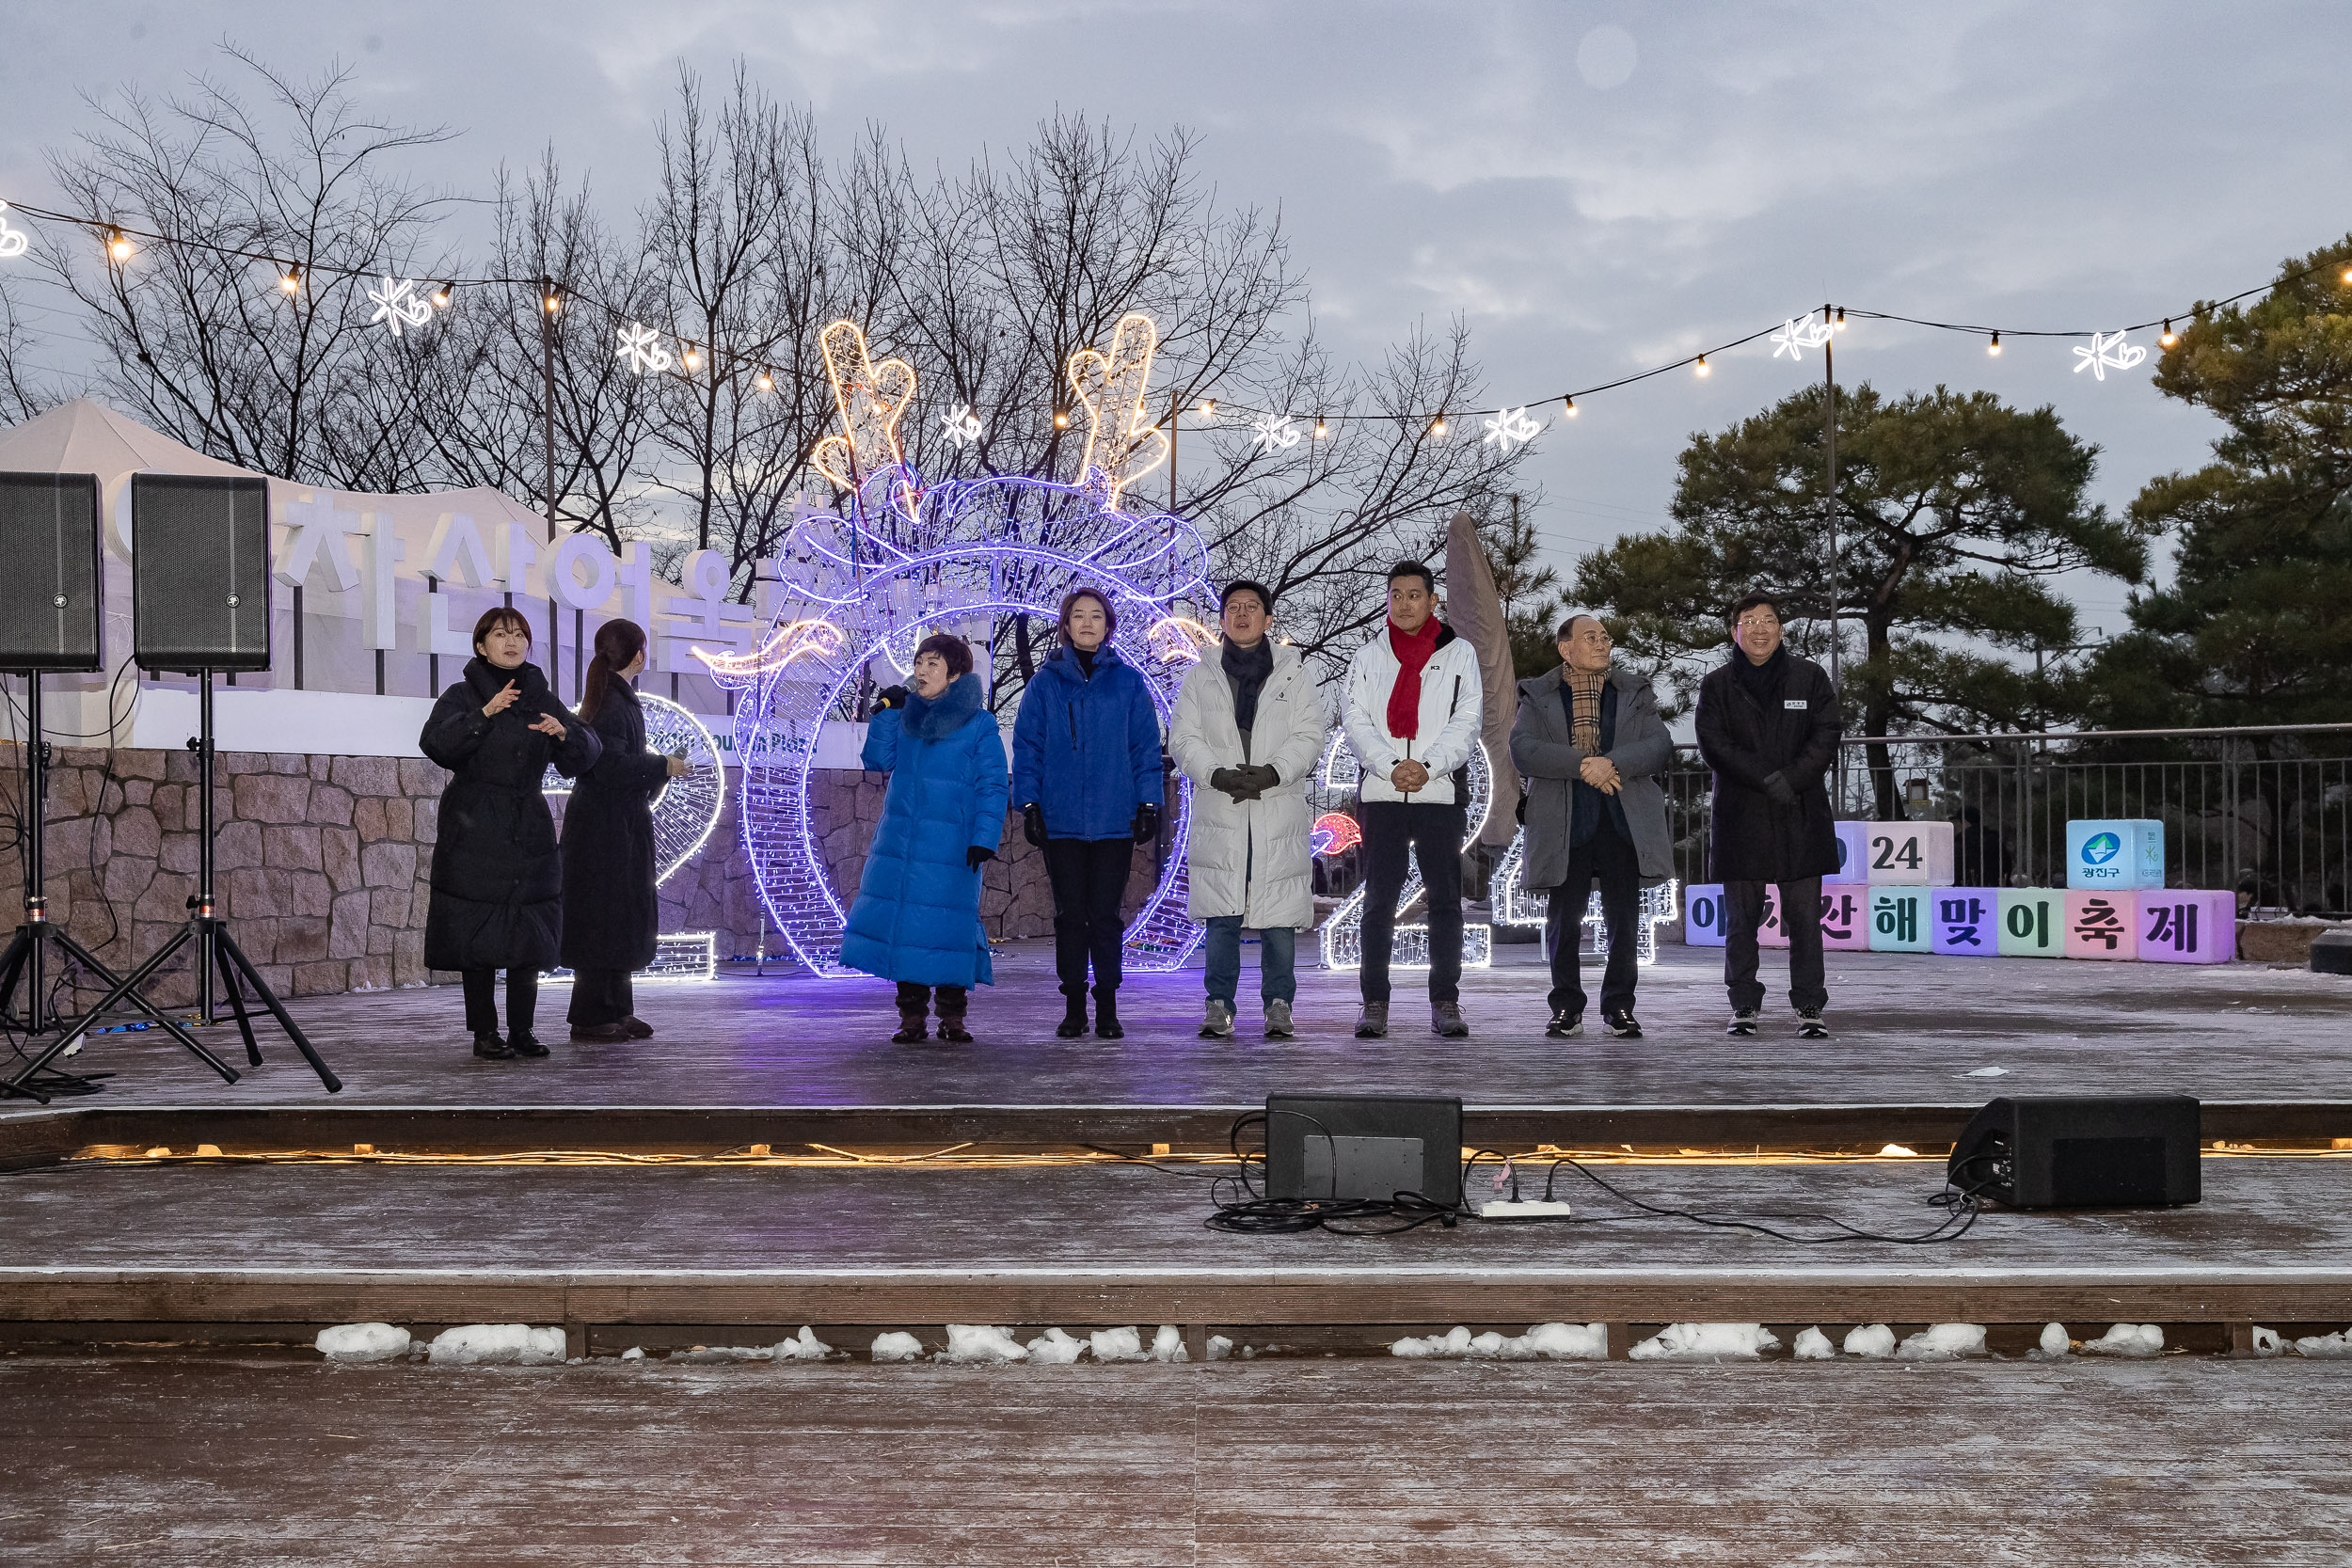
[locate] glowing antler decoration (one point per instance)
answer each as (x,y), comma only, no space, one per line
(870,397)
(1121,440)
(819,640)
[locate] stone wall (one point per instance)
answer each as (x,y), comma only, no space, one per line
(322,864)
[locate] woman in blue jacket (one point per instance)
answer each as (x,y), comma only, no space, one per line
(1086,771)
(917,918)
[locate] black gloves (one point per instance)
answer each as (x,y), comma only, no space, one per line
(1033,824)
(978,856)
(1230,781)
(1147,824)
(1778,787)
(1246,783)
(1261,776)
(890,697)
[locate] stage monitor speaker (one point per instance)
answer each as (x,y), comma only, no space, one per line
(50,582)
(200,572)
(2082,1151)
(1363,1145)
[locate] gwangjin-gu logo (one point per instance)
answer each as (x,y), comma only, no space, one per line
(2099,848)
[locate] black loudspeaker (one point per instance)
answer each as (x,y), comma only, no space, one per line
(50,583)
(2082,1151)
(1363,1145)
(200,572)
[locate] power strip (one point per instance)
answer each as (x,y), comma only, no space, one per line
(1531,1209)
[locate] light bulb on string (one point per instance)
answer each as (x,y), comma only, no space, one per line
(766,382)
(1702,367)
(2169,337)
(1208,408)
(440,297)
(1321,428)
(290,281)
(693,359)
(1994,347)
(1568,409)
(1438,429)
(2347,274)
(117,245)
(1839,325)
(1062,418)
(552,302)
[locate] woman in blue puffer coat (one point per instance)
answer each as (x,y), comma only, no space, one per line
(1086,773)
(917,918)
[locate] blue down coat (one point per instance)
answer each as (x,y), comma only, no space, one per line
(1087,750)
(917,912)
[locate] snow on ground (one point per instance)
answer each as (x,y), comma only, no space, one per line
(1543,1342)
(362,1342)
(497,1345)
(1706,1343)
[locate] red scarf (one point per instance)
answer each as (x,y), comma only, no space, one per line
(1413,650)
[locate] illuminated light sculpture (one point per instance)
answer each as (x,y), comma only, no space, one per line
(642,347)
(1123,443)
(1515,908)
(1334,787)
(1797,336)
(689,807)
(13,242)
(398,304)
(1335,832)
(962,426)
(2107,351)
(1276,432)
(899,560)
(1512,425)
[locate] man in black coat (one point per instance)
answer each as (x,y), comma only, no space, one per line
(1768,726)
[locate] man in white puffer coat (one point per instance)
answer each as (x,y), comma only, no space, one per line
(1247,730)
(1412,711)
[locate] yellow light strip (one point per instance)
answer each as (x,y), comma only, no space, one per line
(1121,440)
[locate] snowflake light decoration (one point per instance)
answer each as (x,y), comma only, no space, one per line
(2107,351)
(1276,433)
(642,347)
(398,304)
(12,240)
(1512,425)
(898,560)
(1797,336)
(962,426)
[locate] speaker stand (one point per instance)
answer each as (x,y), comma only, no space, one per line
(25,961)
(216,949)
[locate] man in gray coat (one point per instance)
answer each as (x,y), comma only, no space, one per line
(1590,743)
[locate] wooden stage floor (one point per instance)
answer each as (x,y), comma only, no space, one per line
(1909,1030)
(2171,1464)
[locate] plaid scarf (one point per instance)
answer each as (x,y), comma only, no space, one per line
(1583,688)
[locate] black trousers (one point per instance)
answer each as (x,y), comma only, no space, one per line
(915,997)
(482,1002)
(1089,877)
(1800,917)
(1433,835)
(601,996)
(1609,857)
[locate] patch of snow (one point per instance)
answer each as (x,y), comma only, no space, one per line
(1989,1072)
(1117,1344)
(634,1353)
(1943,1342)
(1813,1345)
(2267,1341)
(1168,1344)
(2325,1347)
(1897,1151)
(1706,1343)
(1874,1340)
(497,1345)
(1567,1341)
(982,1342)
(1220,1347)
(1055,1348)
(896,1346)
(1544,1341)
(806,1346)
(2126,1339)
(362,1342)
(2054,1341)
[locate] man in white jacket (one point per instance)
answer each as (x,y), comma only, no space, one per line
(1247,730)
(1412,710)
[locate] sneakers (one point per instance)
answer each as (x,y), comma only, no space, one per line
(1624,1025)
(1074,1023)
(1216,1023)
(1278,1020)
(491,1049)
(1373,1022)
(1744,1022)
(1564,1025)
(1445,1019)
(1809,1025)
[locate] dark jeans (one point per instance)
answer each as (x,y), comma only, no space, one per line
(1800,917)
(915,997)
(1608,856)
(601,996)
(1089,877)
(482,1002)
(1433,835)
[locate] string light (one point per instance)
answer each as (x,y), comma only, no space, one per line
(1438,429)
(117,245)
(1702,367)
(552,303)
(1062,418)
(1568,408)
(765,382)
(1841,319)
(290,281)
(2169,337)
(1994,347)
(1321,428)
(693,360)
(440,297)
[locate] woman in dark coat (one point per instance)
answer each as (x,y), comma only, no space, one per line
(496,901)
(610,917)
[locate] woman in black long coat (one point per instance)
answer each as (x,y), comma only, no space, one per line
(497,900)
(610,917)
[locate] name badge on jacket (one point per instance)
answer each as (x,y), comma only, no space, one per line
(1795,702)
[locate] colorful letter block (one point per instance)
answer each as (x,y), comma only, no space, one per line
(2178,926)
(1898,919)
(1908,854)
(1853,854)
(2101,924)
(2122,852)
(2033,923)
(1844,915)
(1703,915)
(1964,921)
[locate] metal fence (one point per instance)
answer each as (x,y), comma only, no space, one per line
(2266,813)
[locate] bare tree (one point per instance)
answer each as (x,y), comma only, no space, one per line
(21,395)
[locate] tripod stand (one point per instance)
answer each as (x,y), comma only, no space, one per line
(216,949)
(25,960)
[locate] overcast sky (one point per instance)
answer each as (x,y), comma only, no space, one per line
(1595,188)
